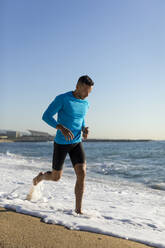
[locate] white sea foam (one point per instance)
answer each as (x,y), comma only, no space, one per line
(127,210)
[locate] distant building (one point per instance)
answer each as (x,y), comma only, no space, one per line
(12,134)
(37,133)
(3,137)
(30,135)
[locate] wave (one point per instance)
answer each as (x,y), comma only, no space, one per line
(158,186)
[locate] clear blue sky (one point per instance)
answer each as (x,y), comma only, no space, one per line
(46,45)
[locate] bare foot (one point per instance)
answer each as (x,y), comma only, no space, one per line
(29,196)
(38,178)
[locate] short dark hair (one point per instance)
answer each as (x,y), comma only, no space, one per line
(85,80)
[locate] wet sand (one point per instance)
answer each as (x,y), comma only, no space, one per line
(24,231)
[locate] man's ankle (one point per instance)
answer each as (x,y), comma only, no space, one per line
(78,211)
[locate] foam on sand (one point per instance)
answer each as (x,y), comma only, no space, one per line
(130,211)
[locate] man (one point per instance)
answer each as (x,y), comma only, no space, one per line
(71,108)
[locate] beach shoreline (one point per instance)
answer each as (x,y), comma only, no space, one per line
(6,141)
(21,230)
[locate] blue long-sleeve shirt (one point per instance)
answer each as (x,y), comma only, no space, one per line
(71,114)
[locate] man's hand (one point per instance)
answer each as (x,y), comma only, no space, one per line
(66,132)
(85,132)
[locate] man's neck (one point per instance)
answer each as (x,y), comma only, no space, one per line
(76,94)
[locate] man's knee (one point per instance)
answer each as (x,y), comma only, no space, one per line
(56,175)
(80,170)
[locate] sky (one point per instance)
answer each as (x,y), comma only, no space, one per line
(46,45)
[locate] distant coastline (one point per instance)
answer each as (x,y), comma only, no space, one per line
(88,140)
(39,136)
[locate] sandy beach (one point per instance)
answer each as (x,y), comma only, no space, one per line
(6,141)
(19,231)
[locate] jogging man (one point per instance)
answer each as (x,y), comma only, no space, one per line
(71,108)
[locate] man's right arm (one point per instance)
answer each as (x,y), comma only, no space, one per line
(47,116)
(52,109)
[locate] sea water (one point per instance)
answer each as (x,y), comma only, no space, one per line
(124,189)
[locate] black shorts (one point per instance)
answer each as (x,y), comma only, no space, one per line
(76,154)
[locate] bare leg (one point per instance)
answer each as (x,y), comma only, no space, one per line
(53,175)
(80,170)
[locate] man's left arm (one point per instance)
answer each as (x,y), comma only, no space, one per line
(83,125)
(84,130)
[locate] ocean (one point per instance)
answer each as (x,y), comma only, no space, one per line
(124,188)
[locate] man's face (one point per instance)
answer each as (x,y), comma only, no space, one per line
(84,90)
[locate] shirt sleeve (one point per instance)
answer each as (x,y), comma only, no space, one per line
(52,109)
(83,123)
